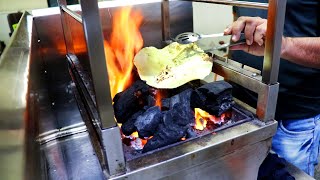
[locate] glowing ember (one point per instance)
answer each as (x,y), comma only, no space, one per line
(125,41)
(158,98)
(138,143)
(202,118)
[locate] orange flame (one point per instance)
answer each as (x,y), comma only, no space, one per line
(202,118)
(125,41)
(135,135)
(158,98)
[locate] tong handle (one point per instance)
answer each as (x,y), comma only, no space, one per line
(213,35)
(242,41)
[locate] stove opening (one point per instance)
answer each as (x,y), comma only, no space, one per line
(152,118)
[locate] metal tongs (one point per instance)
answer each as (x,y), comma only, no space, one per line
(191,37)
(230,44)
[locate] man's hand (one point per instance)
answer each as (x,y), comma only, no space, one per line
(301,50)
(254,28)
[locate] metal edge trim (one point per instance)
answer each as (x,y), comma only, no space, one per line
(60,133)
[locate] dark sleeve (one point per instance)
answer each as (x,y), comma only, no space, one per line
(235,11)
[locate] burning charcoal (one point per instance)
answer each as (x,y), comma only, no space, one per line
(165,137)
(180,108)
(128,127)
(183,97)
(215,98)
(182,114)
(167,133)
(151,100)
(148,122)
(165,104)
(190,85)
(190,133)
(131,100)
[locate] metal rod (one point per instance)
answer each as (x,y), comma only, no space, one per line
(73,14)
(246,4)
(65,26)
(111,137)
(94,39)
(237,75)
(165,17)
(276,16)
(267,99)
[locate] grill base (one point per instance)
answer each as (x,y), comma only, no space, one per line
(235,153)
(239,148)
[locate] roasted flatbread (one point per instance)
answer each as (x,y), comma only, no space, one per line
(172,66)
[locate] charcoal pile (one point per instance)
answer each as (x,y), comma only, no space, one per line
(214,98)
(135,108)
(132,100)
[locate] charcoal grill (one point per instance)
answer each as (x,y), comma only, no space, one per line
(71,110)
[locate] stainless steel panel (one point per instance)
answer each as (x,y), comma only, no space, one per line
(267,102)
(14,71)
(113,147)
(151,29)
(71,158)
(51,81)
(243,163)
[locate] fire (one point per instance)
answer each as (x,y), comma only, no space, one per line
(138,143)
(124,42)
(158,98)
(202,118)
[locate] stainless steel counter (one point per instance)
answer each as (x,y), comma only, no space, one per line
(14,70)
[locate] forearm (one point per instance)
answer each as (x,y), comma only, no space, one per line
(304,51)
